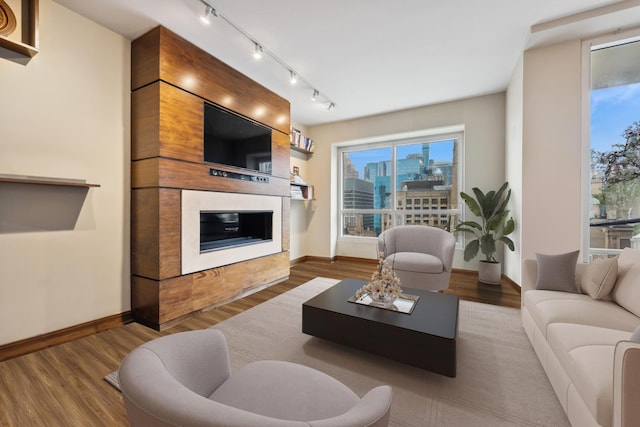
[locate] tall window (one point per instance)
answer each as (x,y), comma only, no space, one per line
(614,208)
(399,182)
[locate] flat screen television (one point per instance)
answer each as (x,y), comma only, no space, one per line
(232,140)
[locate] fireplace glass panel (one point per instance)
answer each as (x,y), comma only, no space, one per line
(225,229)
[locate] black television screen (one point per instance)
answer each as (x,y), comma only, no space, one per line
(232,140)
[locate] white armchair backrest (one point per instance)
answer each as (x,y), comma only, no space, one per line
(419,238)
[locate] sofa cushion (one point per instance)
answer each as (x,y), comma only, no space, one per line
(626,291)
(547,307)
(302,393)
(600,276)
(557,272)
(415,262)
(586,354)
(635,336)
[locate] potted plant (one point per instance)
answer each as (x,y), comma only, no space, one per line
(494,228)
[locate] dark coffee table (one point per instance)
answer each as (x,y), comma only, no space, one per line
(426,338)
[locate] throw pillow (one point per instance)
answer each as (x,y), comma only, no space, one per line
(626,291)
(635,336)
(557,272)
(599,277)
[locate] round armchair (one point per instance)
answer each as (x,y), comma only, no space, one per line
(420,255)
(184,379)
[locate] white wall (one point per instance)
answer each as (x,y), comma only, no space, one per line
(66,114)
(483,118)
(552,150)
(300,211)
(513,167)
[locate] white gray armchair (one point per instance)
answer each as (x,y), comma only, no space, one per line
(184,379)
(420,255)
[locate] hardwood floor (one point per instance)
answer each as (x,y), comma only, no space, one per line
(64,386)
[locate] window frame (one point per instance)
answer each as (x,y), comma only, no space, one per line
(397,215)
(588,46)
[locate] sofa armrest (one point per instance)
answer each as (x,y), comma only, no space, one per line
(626,384)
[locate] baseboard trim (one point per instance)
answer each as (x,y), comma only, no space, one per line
(351,258)
(61,336)
(293,262)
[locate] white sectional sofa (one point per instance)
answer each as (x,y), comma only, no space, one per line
(585,344)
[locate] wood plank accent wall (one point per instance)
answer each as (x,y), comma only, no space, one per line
(163,55)
(171,81)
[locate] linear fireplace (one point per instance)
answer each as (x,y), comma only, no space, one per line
(219,228)
(225,229)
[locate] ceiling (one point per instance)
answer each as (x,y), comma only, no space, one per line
(366,56)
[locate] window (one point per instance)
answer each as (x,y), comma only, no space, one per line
(613,183)
(382,181)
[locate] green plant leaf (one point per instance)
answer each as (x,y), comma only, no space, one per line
(480,198)
(507,241)
(471,224)
(471,203)
(471,250)
(504,203)
(509,227)
(502,189)
(488,246)
(489,205)
(496,221)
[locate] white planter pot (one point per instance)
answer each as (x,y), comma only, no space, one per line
(490,272)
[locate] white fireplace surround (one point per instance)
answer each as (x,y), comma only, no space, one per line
(193,202)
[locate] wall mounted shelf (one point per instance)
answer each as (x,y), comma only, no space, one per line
(21,48)
(46,181)
(301,191)
(301,150)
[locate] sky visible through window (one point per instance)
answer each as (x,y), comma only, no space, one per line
(612,111)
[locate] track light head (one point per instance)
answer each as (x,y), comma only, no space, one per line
(257,51)
(206,16)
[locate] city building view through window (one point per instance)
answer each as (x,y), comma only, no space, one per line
(399,184)
(614,209)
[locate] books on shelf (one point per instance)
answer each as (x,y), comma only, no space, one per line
(301,141)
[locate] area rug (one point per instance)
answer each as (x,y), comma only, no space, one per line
(499,382)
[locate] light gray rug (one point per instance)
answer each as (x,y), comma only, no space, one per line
(499,382)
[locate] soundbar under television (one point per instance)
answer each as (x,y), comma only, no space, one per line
(232,140)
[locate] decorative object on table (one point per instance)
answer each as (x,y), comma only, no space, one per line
(384,286)
(7,19)
(496,225)
(403,304)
